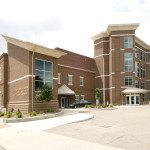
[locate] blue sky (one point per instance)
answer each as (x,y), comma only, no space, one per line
(69,24)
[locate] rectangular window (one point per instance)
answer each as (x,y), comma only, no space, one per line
(43,74)
(70,79)
(128,42)
(82,97)
(143,71)
(128,81)
(136,53)
(128,62)
(59,75)
(77,98)
(137,69)
(142,85)
(81,81)
(137,85)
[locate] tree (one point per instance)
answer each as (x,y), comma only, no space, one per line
(98,95)
(45,94)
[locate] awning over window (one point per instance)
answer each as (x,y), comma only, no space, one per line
(64,90)
(134,90)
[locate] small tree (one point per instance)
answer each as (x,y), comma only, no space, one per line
(98,95)
(45,94)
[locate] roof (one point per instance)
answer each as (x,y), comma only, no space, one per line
(116,27)
(134,90)
(64,90)
(34,47)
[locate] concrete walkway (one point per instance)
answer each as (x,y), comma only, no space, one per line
(29,135)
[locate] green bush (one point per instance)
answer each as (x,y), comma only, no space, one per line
(19,114)
(50,110)
(8,114)
(111,105)
(99,106)
(1,114)
(87,106)
(33,113)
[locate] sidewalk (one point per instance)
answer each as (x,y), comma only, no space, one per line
(28,135)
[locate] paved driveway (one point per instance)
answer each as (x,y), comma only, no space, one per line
(125,127)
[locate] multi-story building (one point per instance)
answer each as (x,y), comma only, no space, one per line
(120,68)
(123,62)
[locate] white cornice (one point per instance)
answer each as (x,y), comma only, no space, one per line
(122,27)
(100,35)
(141,42)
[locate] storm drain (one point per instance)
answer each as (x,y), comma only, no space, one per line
(104,126)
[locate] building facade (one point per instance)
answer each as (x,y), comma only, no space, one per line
(120,68)
(123,65)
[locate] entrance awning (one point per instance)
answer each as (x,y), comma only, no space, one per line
(64,90)
(134,90)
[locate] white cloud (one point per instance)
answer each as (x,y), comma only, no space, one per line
(70,23)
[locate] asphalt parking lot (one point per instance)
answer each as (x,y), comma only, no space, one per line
(126,127)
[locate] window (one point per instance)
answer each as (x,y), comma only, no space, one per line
(82,97)
(81,81)
(142,85)
(136,53)
(137,69)
(137,84)
(77,97)
(43,74)
(128,62)
(143,71)
(128,42)
(69,79)
(59,74)
(143,56)
(128,81)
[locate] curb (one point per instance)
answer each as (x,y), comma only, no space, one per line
(14,120)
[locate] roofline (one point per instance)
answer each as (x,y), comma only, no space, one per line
(34,47)
(142,43)
(120,27)
(115,27)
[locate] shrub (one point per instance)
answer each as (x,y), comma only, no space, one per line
(50,110)
(99,106)
(8,114)
(111,105)
(45,94)
(33,113)
(89,106)
(1,114)
(19,114)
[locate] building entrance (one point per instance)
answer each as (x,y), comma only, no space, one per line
(133,99)
(65,103)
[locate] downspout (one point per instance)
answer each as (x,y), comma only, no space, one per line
(103,81)
(32,99)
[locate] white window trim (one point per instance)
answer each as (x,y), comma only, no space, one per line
(59,78)
(82,78)
(83,96)
(69,75)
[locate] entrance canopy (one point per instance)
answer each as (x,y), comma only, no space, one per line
(64,90)
(134,90)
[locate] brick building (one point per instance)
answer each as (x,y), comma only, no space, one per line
(120,68)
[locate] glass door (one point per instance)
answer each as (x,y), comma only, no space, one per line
(133,99)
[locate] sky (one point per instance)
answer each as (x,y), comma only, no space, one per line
(69,24)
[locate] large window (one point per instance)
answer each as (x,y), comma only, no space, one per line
(128,81)
(137,69)
(128,42)
(143,71)
(137,52)
(69,79)
(128,62)
(43,74)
